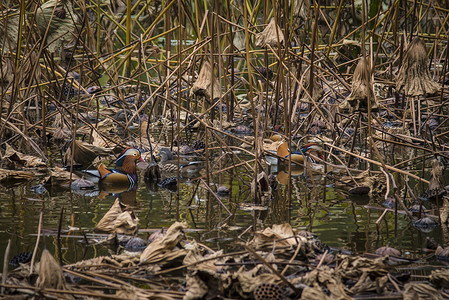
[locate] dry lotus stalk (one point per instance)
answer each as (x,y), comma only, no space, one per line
(163,248)
(50,273)
(203,85)
(120,218)
(362,89)
(414,76)
(62,28)
(272,35)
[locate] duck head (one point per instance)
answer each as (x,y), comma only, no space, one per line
(313,149)
(165,154)
(127,160)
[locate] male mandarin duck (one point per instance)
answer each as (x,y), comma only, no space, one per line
(126,174)
(311,151)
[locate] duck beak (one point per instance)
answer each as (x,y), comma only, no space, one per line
(141,159)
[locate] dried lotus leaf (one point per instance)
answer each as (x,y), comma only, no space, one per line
(414,76)
(50,273)
(272,35)
(203,85)
(62,28)
(120,218)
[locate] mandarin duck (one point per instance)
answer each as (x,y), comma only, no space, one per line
(126,174)
(169,163)
(277,134)
(311,151)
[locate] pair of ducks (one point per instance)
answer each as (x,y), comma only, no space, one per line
(310,151)
(126,173)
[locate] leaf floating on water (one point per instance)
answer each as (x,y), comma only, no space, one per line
(24,160)
(13,175)
(120,219)
(387,250)
(59,176)
(164,248)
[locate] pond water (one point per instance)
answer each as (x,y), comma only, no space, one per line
(343,222)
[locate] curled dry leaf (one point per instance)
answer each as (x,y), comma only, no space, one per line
(61,31)
(300,8)
(282,234)
(250,280)
(362,89)
(196,288)
(84,153)
(421,291)
(440,278)
(50,273)
(27,161)
(414,76)
(120,218)
(263,187)
(9,30)
(272,35)
(6,70)
(164,248)
(203,85)
(59,176)
(436,176)
(317,91)
(322,280)
(444,212)
(194,256)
